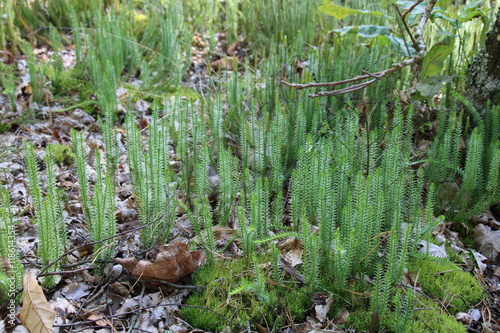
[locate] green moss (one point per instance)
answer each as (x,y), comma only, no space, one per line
(431,319)
(359,320)
(233,291)
(448,282)
(5,127)
(63,155)
(69,81)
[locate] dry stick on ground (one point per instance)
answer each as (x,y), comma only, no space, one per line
(418,44)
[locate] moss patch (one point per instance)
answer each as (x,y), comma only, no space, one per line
(62,154)
(448,283)
(242,294)
(431,319)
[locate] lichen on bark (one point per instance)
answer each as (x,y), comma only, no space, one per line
(483,74)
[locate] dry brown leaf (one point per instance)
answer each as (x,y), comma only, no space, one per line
(172,263)
(289,244)
(101,320)
(488,242)
(232,50)
(341,317)
(290,270)
(36,313)
(223,64)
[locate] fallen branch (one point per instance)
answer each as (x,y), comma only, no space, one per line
(418,44)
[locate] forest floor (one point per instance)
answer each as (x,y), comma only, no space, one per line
(88,300)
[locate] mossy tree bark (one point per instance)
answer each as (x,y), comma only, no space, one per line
(483,75)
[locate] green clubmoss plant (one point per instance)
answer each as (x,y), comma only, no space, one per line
(466,187)
(11,274)
(48,210)
(9,32)
(229,186)
(402,317)
(36,72)
(99,205)
(152,178)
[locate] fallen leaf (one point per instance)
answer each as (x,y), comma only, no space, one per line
(294,257)
(101,320)
(289,244)
(463,317)
(172,263)
(341,317)
(131,304)
(62,306)
(232,50)
(482,261)
(223,64)
(487,242)
(474,314)
(432,249)
(322,305)
(410,280)
(36,313)
(285,265)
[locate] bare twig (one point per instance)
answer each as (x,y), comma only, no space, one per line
(197,288)
(68,272)
(407,28)
(418,44)
(409,10)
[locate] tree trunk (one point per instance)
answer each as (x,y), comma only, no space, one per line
(483,75)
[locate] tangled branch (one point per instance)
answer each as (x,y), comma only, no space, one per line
(418,45)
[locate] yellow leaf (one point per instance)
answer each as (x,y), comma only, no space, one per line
(340,12)
(36,313)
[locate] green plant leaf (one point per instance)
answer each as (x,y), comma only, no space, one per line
(434,59)
(340,12)
(471,15)
(384,36)
(445,16)
(443,4)
(367,31)
(473,5)
(400,46)
(419,9)
(430,86)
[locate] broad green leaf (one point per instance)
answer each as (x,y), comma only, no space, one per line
(430,86)
(367,31)
(340,12)
(383,35)
(419,9)
(434,59)
(443,4)
(445,17)
(370,31)
(400,46)
(471,15)
(473,5)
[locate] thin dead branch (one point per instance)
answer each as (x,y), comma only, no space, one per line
(418,44)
